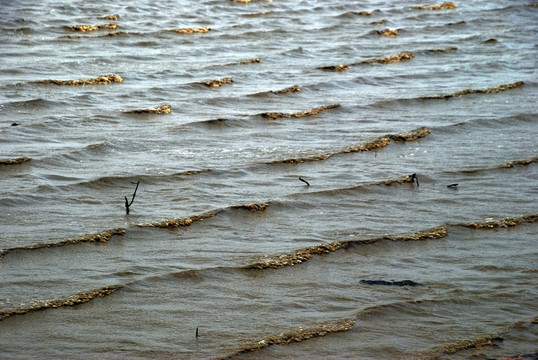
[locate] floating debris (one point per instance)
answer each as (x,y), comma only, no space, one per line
(519,162)
(448,49)
(502,223)
(88,28)
(163,109)
(379,22)
(15,161)
(444,6)
(101,80)
(101,237)
(453,186)
(303,255)
(296,335)
(251,207)
(112,34)
(191,30)
(114,17)
(492,90)
(186,221)
(388,32)
(490,41)
(391,283)
(81,297)
(315,111)
(216,83)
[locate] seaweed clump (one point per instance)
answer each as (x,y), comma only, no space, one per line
(216,83)
(492,90)
(163,109)
(101,237)
(191,30)
(15,161)
(444,6)
(251,207)
(88,28)
(388,32)
(79,298)
(101,80)
(315,111)
(502,223)
(296,335)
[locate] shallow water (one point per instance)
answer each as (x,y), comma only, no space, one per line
(215,151)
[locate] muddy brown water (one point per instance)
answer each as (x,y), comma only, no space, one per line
(367,262)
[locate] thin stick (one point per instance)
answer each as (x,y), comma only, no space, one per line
(127,204)
(306,182)
(197,333)
(414,177)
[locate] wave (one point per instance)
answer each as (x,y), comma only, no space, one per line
(303,255)
(501,223)
(477,343)
(102,237)
(404,56)
(444,6)
(162,109)
(104,79)
(72,300)
(111,34)
(491,90)
(113,180)
(244,62)
(511,164)
(374,144)
(187,221)
(295,335)
(315,111)
(15,161)
(215,83)
(88,28)
(291,89)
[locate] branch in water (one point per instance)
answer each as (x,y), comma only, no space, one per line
(127,203)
